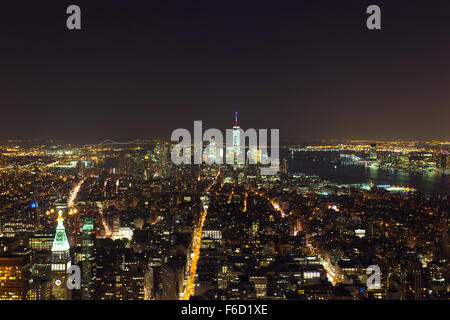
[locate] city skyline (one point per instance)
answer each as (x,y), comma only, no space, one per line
(132,225)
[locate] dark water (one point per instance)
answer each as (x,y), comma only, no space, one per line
(323,164)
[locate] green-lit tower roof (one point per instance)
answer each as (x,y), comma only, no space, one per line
(88,224)
(60,242)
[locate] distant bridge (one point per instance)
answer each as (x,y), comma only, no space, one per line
(110,142)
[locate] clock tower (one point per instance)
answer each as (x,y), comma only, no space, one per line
(60,262)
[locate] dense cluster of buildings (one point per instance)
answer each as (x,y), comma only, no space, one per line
(141,228)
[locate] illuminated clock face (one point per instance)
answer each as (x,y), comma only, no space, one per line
(58,282)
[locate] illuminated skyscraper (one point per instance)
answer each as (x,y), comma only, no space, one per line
(444,161)
(116,226)
(253,155)
(212,149)
(13,277)
(236,140)
(60,262)
(445,238)
(373,152)
(87,281)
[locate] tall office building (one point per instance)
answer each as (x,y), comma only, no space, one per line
(253,155)
(116,226)
(13,277)
(33,213)
(444,161)
(445,238)
(212,149)
(41,241)
(88,251)
(169,282)
(39,289)
(373,152)
(236,140)
(60,262)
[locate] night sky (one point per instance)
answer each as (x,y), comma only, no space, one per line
(140,69)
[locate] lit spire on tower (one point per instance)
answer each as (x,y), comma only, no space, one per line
(60,243)
(235,118)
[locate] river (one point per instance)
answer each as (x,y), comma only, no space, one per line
(324,164)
